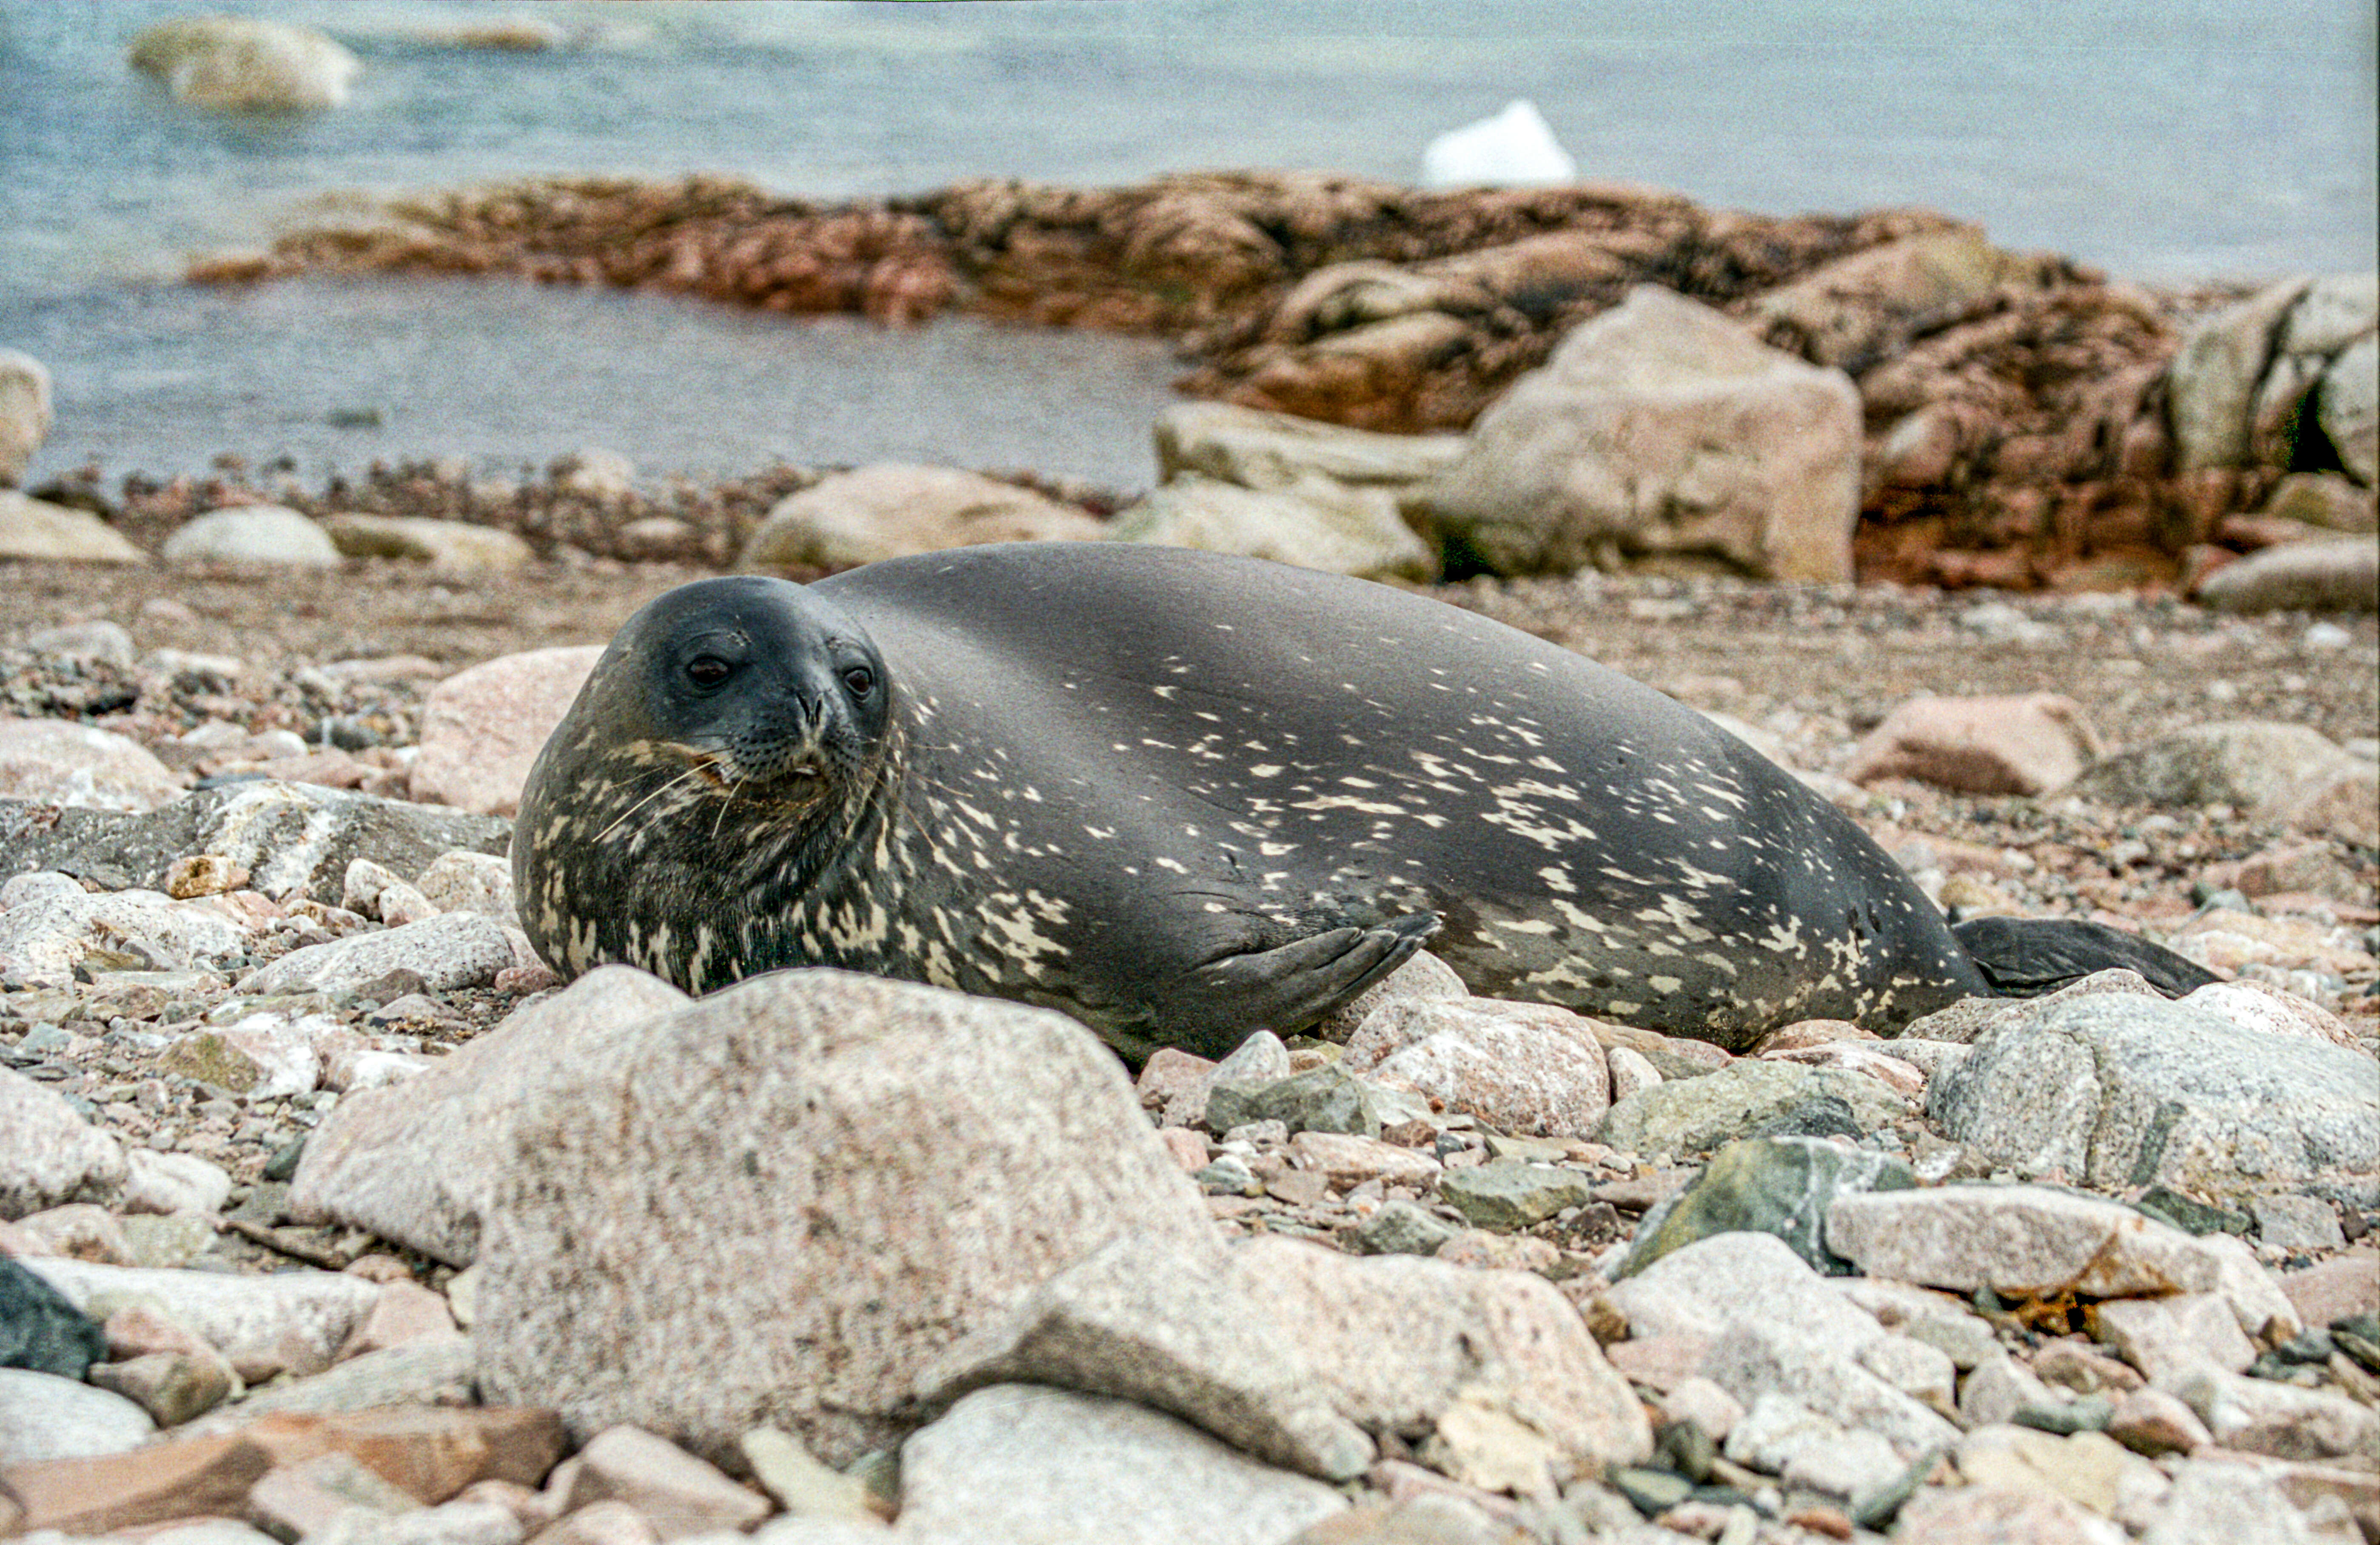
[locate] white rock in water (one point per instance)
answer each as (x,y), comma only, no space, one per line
(238,62)
(1515,148)
(24,411)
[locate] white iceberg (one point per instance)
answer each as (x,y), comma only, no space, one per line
(1515,148)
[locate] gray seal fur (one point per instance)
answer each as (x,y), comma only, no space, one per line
(1181,796)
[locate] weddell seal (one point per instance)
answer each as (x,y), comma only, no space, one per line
(1181,797)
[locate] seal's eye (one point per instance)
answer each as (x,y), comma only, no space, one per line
(708,671)
(860,680)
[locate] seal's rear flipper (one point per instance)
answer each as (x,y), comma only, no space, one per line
(1287,988)
(2025,957)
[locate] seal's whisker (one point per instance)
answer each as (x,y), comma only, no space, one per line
(723,803)
(694,771)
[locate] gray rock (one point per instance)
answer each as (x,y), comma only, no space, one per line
(1316,525)
(2031,1241)
(1780,1186)
(2297,1222)
(1963,1020)
(291,837)
(40,1331)
(775,1205)
(2333,574)
(452,950)
(470,881)
(1150,1321)
(1020,1463)
(1915,1369)
(1522,1069)
(2000,1387)
(1400,1228)
(263,534)
(1495,1365)
(44,1416)
(892,509)
(295,1320)
(1753,1358)
(2250,763)
(2120,1091)
(2324,500)
(2337,310)
(1261,450)
(1504,1194)
(2259,1416)
(1323,1099)
(161,1183)
(1605,451)
(49,1154)
(101,640)
(2160,1336)
(2216,1504)
(1693,1116)
(435,1370)
(452,545)
(1236,1084)
(54,762)
(45,936)
(1704,1287)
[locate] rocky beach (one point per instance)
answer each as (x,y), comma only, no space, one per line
(328,1211)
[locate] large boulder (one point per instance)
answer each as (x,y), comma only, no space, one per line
(894,510)
(775,1205)
(240,63)
(1662,430)
(482,729)
(35,530)
(24,413)
(2117,1090)
(1317,524)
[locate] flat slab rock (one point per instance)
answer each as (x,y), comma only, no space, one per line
(289,835)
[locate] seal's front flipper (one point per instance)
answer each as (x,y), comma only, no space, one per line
(1287,988)
(2025,957)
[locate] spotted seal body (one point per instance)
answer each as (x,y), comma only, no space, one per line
(1181,796)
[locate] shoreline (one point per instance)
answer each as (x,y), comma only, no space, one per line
(2020,428)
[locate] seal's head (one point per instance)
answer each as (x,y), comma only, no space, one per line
(720,760)
(768,689)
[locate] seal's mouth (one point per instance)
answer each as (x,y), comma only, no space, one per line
(723,774)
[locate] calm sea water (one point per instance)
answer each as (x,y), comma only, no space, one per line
(2168,141)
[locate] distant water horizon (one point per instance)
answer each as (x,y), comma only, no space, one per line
(2169,143)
